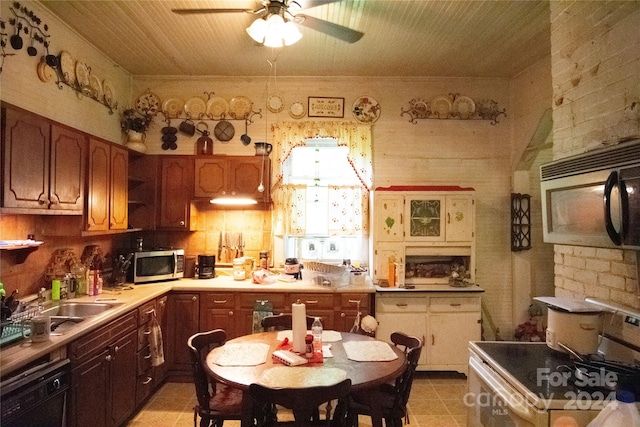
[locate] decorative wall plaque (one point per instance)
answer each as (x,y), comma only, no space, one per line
(320,106)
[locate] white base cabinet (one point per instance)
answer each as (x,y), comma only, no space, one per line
(444,321)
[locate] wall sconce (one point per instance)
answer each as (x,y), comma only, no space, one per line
(520,222)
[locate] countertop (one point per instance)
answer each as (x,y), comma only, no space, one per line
(430,288)
(17,355)
(13,357)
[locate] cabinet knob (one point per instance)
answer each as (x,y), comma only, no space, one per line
(53,202)
(230,312)
(182,223)
(343,315)
(108,358)
(116,349)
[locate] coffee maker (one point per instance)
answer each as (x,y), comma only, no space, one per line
(206,266)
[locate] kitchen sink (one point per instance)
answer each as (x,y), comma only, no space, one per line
(78,309)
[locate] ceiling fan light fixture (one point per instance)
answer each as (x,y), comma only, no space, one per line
(274,31)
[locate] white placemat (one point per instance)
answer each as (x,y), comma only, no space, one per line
(369,351)
(301,376)
(250,354)
(327,336)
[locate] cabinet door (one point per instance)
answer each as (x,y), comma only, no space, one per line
(90,387)
(123,378)
(211,177)
(245,175)
(119,193)
(98,186)
(26,161)
(449,336)
(413,324)
(184,317)
(67,173)
(383,252)
(425,218)
(217,312)
(388,213)
(459,226)
(176,188)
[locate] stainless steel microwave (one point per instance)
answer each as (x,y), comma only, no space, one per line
(156,266)
(593,199)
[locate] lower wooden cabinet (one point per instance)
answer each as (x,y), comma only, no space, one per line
(184,317)
(103,374)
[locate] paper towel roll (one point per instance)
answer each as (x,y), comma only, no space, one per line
(298,326)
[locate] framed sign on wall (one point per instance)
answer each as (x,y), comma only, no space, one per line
(320,106)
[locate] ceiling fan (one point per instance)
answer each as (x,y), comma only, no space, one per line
(281,8)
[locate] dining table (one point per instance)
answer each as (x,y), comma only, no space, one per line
(248,359)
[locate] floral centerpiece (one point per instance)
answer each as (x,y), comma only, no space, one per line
(135,125)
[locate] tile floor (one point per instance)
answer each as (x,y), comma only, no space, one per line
(436,401)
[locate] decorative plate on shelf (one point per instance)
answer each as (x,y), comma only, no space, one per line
(67,67)
(464,106)
(96,86)
(217,107)
(240,107)
(195,108)
(109,94)
(82,74)
(419,108)
(148,103)
(441,106)
(366,109)
(275,104)
(45,72)
(172,107)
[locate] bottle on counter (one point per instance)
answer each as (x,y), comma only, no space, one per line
(316,331)
(55,289)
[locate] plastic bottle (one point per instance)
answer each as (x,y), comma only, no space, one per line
(316,331)
(618,413)
(55,289)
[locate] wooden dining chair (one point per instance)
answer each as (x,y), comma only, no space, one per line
(216,402)
(304,403)
(282,322)
(390,398)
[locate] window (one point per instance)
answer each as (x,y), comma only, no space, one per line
(323,167)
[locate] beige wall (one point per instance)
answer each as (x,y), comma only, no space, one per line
(595,67)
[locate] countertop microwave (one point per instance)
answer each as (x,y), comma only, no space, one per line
(156,265)
(593,199)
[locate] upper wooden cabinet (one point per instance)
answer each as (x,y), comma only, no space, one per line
(44,165)
(107,193)
(232,176)
(176,189)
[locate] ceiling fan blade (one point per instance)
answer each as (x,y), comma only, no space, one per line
(308,4)
(205,11)
(334,30)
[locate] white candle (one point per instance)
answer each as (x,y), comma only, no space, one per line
(299,326)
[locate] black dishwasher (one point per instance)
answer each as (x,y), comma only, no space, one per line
(37,396)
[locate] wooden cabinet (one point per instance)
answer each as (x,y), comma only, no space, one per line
(446,322)
(232,176)
(43,165)
(143,178)
(245,306)
(217,311)
(347,307)
(103,374)
(176,191)
(316,305)
(107,182)
(145,375)
(162,311)
(184,316)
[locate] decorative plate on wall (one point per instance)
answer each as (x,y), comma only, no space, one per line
(275,104)
(366,109)
(148,103)
(441,106)
(217,107)
(67,67)
(297,110)
(96,86)
(109,94)
(240,107)
(195,108)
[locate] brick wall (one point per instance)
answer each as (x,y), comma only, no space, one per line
(595,67)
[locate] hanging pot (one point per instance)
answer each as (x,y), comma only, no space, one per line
(16,40)
(263,148)
(246,139)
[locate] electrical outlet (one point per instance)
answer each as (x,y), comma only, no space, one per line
(635,321)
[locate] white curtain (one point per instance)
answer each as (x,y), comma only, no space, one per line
(349,212)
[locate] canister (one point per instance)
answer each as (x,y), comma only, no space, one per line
(238,269)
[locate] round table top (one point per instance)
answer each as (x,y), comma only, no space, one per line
(362,374)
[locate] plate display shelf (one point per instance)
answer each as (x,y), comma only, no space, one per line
(214,108)
(453,106)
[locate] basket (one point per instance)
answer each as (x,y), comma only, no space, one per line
(328,275)
(18,326)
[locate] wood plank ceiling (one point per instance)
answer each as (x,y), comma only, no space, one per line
(453,38)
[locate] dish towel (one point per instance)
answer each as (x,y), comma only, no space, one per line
(155,343)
